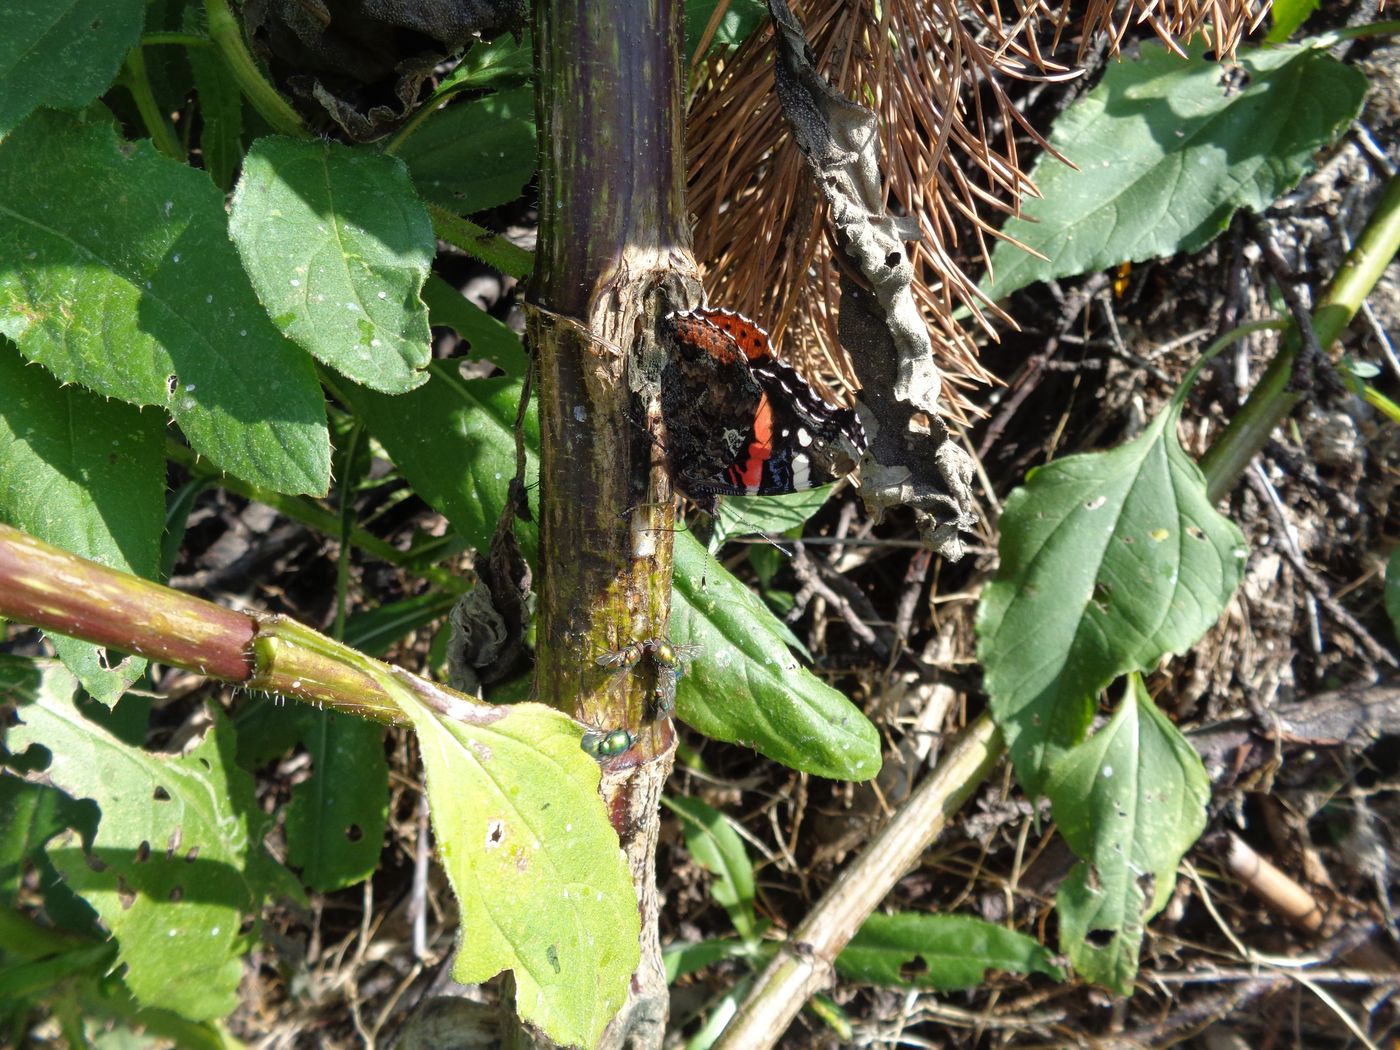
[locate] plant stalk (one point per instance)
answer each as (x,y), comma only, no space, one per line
(804,966)
(613,231)
(139,84)
(481,243)
(227,35)
(61,592)
(1271,401)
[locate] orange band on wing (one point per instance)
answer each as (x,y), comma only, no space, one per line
(750,473)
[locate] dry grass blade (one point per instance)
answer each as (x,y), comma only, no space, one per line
(1223,22)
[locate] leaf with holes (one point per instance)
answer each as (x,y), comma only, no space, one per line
(177,866)
(1130,801)
(336,816)
(543,885)
(1109,561)
(947,952)
(337,246)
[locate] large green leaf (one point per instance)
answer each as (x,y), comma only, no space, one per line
(177,864)
(1167,149)
(543,886)
(88,475)
(947,952)
(62,54)
(453,440)
(116,273)
(1130,801)
(337,246)
(1109,561)
(747,688)
(475,155)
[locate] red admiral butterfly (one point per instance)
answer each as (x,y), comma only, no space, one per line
(739,421)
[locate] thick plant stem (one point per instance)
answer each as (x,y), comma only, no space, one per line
(1271,401)
(58,591)
(612,234)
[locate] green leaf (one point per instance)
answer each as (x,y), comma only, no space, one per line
(453,439)
(746,688)
(116,273)
(747,515)
(177,864)
(1130,801)
(543,886)
(740,18)
(717,847)
(1288,15)
(179,505)
(337,246)
(88,475)
(220,106)
(946,952)
(1109,561)
(499,63)
(685,957)
(1167,149)
(336,817)
(268,726)
(37,980)
(475,155)
(62,55)
(30,815)
(1392,590)
(486,337)
(374,631)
